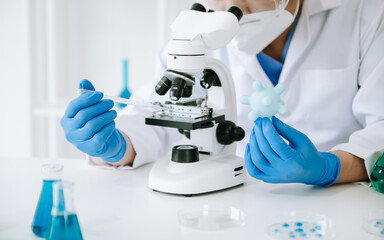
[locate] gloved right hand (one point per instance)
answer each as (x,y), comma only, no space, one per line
(88,123)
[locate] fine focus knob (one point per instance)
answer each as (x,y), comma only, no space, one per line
(198,7)
(227,133)
(185,154)
(236,11)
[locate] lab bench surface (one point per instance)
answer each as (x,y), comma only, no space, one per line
(117,204)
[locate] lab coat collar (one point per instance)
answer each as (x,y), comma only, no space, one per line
(250,65)
(299,45)
(317,6)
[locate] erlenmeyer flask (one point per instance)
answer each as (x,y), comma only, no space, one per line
(51,173)
(377,175)
(64,224)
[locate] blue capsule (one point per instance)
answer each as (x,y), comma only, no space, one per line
(303,234)
(299,224)
(285,225)
(299,230)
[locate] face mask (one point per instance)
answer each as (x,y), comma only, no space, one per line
(258,30)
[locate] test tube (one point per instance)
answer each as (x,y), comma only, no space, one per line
(125,100)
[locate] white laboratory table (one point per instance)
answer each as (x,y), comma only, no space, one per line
(117,204)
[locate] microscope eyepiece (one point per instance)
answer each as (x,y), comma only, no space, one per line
(236,11)
(198,7)
(177,89)
(163,86)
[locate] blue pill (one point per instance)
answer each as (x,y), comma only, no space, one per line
(378,223)
(292,236)
(319,235)
(318,227)
(299,224)
(285,225)
(303,235)
(382,232)
(312,230)
(276,230)
(299,230)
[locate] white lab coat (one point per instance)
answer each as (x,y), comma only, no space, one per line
(334,79)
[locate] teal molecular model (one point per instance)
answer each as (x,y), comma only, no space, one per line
(265,102)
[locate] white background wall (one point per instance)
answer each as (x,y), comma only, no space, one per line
(14,79)
(48,46)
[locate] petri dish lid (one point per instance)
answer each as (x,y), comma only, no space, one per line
(211,217)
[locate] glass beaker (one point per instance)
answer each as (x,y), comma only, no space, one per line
(377,175)
(64,224)
(52,173)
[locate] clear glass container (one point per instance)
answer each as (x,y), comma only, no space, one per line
(374,222)
(211,217)
(51,173)
(63,224)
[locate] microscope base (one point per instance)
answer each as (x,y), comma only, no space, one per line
(207,175)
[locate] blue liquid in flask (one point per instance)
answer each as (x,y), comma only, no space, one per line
(51,174)
(63,224)
(64,227)
(43,210)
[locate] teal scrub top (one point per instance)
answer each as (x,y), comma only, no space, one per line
(272,67)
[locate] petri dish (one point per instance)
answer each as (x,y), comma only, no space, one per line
(374,222)
(375,227)
(300,226)
(211,217)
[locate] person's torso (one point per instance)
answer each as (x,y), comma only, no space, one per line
(320,74)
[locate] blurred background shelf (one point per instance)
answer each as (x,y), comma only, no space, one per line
(48,46)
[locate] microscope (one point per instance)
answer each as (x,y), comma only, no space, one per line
(209,163)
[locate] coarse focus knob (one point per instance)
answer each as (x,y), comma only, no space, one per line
(209,79)
(236,11)
(185,154)
(227,132)
(198,7)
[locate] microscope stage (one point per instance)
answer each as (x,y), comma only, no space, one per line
(183,123)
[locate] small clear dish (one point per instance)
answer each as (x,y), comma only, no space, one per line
(374,222)
(211,217)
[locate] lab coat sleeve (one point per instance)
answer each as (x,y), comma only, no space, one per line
(150,142)
(368,104)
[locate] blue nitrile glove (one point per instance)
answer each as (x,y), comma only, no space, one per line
(88,123)
(269,158)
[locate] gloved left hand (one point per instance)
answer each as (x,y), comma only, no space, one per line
(269,158)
